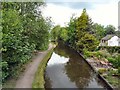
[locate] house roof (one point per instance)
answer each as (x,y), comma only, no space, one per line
(107,37)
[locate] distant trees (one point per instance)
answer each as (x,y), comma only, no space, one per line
(55,33)
(24,30)
(109,29)
(118,33)
(99,31)
(63,34)
(78,34)
(71,29)
(81,33)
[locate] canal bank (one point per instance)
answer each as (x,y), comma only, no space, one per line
(99,76)
(67,69)
(109,86)
(39,75)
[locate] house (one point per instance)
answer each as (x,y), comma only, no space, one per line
(110,40)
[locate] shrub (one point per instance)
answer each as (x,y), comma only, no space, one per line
(115,61)
(102,70)
(110,49)
(111,72)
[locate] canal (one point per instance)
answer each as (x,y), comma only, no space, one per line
(67,69)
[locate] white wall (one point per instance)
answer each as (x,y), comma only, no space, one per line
(113,41)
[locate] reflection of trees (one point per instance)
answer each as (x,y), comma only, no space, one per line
(78,73)
(76,69)
(48,83)
(61,50)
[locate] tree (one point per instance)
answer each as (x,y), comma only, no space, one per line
(55,33)
(84,23)
(99,31)
(63,34)
(84,38)
(88,41)
(110,29)
(71,31)
(24,30)
(118,33)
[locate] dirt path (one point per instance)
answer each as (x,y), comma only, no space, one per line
(26,79)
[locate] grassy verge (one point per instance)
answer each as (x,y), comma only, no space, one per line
(39,76)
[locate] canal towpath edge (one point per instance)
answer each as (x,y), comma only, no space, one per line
(25,80)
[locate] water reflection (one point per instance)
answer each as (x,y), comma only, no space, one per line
(56,59)
(67,69)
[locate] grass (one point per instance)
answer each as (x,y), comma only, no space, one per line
(39,76)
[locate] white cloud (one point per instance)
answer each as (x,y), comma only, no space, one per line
(60,15)
(104,14)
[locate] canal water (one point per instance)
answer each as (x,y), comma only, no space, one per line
(67,69)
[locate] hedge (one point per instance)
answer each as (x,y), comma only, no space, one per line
(110,49)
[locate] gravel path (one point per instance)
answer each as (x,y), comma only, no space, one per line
(26,79)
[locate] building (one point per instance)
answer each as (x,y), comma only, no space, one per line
(110,40)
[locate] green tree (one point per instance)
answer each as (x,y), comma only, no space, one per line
(63,34)
(99,31)
(55,33)
(117,33)
(24,30)
(84,23)
(110,29)
(88,41)
(71,31)
(84,38)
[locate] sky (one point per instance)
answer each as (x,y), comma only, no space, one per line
(104,12)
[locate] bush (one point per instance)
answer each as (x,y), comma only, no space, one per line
(92,54)
(115,61)
(110,49)
(112,72)
(102,70)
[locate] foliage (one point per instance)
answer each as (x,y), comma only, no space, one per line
(115,61)
(110,29)
(114,81)
(63,34)
(24,30)
(99,31)
(84,23)
(84,36)
(87,41)
(102,70)
(112,72)
(71,31)
(92,54)
(110,49)
(78,34)
(55,33)
(118,33)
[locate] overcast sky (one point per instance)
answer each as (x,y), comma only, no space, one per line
(104,12)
